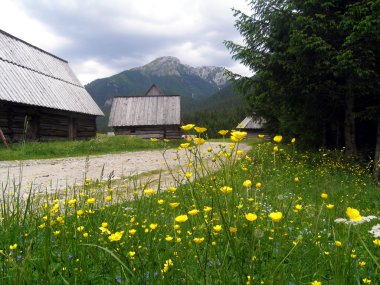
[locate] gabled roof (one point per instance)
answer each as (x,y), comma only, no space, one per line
(250,123)
(32,76)
(152,109)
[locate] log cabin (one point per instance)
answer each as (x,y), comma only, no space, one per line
(253,126)
(40,96)
(153,115)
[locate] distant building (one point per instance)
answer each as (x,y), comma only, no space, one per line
(153,115)
(40,96)
(252,126)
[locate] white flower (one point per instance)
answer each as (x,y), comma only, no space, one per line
(375,231)
(352,222)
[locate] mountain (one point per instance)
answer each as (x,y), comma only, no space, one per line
(196,85)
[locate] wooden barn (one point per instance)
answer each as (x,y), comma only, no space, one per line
(40,96)
(252,126)
(153,115)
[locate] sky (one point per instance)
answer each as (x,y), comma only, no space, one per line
(100,38)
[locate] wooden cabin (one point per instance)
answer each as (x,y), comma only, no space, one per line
(153,115)
(252,126)
(40,96)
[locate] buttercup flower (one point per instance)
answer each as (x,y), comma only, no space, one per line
(223,132)
(149,191)
(153,139)
(353,214)
(251,217)
(324,196)
(200,130)
(116,236)
(260,136)
(226,189)
(198,240)
(277,139)
(181,218)
(187,127)
(193,212)
(199,141)
(237,136)
(247,183)
(275,216)
(217,228)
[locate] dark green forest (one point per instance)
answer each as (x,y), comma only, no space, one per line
(316,66)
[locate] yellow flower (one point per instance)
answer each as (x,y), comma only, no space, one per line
(80,228)
(105,230)
(238,136)
(324,196)
(184,145)
(233,230)
(261,136)
(330,206)
(132,232)
(60,220)
(353,214)
(108,198)
(226,189)
(251,217)
(198,240)
(247,183)
(193,212)
(277,139)
(116,236)
(174,205)
(217,228)
(275,216)
(376,242)
(296,179)
(131,253)
(293,140)
(187,127)
(199,141)
(167,265)
(90,201)
(207,208)
(166,140)
(72,202)
(172,189)
(85,235)
(275,148)
(42,226)
(223,132)
(168,238)
(366,281)
(362,263)
(316,283)
(153,226)
(149,191)
(13,246)
(56,233)
(80,212)
(188,175)
(160,202)
(200,130)
(298,207)
(153,139)
(181,218)
(338,243)
(258,185)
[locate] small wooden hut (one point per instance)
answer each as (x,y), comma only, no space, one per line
(153,115)
(252,126)
(40,96)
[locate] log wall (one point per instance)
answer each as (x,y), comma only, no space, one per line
(19,122)
(147,132)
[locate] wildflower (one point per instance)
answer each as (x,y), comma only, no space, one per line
(316,283)
(277,139)
(375,231)
(296,179)
(108,198)
(362,263)
(80,212)
(293,140)
(338,243)
(149,191)
(258,185)
(207,208)
(85,235)
(56,233)
(353,214)
(260,136)
(72,202)
(60,220)
(174,205)
(13,246)
(193,212)
(166,140)
(172,189)
(198,240)
(237,136)
(187,127)
(116,236)
(247,183)
(275,216)
(324,196)
(217,228)
(298,207)
(223,132)
(376,242)
(168,238)
(366,281)
(188,175)
(184,145)
(132,232)
(167,265)
(233,230)
(330,206)
(181,218)
(105,230)
(209,149)
(226,189)
(251,217)
(42,226)
(275,148)
(160,202)
(199,141)
(132,253)
(90,201)
(153,139)
(200,130)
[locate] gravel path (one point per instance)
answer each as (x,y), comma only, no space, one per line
(59,172)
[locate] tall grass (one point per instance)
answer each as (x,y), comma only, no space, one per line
(100,145)
(217,229)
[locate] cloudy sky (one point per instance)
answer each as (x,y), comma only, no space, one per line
(100,38)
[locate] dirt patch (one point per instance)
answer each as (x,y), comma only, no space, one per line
(56,174)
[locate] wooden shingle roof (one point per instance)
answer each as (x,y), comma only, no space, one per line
(32,76)
(251,123)
(148,110)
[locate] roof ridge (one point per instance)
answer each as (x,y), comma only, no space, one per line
(42,73)
(33,46)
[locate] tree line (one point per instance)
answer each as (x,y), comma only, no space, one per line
(316,70)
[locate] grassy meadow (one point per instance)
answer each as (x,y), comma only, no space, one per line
(273,216)
(102,144)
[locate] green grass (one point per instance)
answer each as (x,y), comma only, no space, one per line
(100,145)
(73,238)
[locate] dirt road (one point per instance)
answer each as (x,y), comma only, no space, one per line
(57,173)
